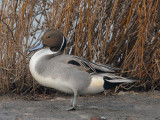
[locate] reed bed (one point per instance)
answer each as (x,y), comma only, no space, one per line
(123,33)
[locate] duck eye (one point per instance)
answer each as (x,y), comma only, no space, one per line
(48,36)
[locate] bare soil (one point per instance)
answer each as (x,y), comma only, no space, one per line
(121,106)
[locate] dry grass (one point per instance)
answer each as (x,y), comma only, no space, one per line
(123,33)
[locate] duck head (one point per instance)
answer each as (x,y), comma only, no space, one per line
(53,39)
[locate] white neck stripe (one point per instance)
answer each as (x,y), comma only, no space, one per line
(61,45)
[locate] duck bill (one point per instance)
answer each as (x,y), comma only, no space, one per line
(38,46)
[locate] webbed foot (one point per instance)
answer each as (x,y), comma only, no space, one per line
(71,109)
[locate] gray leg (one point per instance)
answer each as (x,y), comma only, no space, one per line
(73,100)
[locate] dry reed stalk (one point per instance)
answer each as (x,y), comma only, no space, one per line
(124,33)
(89,29)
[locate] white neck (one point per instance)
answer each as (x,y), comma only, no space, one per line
(38,55)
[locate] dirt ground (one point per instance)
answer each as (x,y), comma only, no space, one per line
(121,106)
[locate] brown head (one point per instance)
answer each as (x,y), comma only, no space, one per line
(53,39)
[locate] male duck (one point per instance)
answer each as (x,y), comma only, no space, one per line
(68,73)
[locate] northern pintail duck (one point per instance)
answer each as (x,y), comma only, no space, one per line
(68,73)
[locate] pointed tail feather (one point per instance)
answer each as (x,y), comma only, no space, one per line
(111,80)
(118,80)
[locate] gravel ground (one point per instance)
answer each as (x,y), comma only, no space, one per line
(122,106)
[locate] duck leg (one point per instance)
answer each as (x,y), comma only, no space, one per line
(73,101)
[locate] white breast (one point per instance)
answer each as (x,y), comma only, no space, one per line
(47,81)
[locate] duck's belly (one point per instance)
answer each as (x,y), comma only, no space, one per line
(55,83)
(96,85)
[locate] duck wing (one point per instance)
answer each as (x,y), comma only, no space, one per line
(91,67)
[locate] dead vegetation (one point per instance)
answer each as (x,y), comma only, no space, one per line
(123,33)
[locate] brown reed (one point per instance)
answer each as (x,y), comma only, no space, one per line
(123,33)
